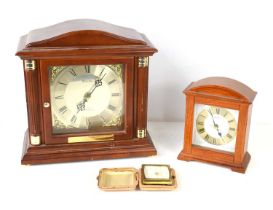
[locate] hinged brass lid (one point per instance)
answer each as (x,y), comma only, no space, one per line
(115,179)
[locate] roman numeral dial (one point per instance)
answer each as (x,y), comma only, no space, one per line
(216,125)
(86,97)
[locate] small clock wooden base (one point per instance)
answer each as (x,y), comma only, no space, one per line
(241,168)
(86,151)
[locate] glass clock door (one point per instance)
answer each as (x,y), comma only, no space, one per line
(88,98)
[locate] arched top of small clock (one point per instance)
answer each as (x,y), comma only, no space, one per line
(222,87)
(83,34)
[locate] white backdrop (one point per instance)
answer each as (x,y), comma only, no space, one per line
(195,39)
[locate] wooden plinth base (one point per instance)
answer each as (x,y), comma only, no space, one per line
(241,168)
(86,151)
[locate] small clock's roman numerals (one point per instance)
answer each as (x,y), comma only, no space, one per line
(201,130)
(71,71)
(63,109)
(214,140)
(215,132)
(87,69)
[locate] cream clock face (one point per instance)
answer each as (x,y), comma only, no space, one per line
(215,127)
(85,97)
(156,172)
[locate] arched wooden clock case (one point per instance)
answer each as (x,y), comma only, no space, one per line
(85,42)
(222,96)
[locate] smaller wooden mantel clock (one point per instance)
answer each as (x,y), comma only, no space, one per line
(86,92)
(217,121)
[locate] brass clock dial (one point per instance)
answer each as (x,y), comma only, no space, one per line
(216,127)
(85,97)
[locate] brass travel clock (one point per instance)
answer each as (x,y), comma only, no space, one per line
(86,90)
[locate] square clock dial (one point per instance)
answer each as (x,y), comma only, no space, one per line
(86,97)
(215,127)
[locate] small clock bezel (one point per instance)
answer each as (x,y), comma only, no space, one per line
(217,103)
(198,141)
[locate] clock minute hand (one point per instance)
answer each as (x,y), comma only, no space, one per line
(87,95)
(215,125)
(98,82)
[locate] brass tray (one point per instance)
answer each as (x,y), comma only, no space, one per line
(114,179)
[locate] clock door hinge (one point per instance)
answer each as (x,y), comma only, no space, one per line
(141,133)
(143,62)
(30,65)
(35,140)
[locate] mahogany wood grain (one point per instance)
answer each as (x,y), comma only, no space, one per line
(222,87)
(142,97)
(33,102)
(188,124)
(86,151)
(83,38)
(85,42)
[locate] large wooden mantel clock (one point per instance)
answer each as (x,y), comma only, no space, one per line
(86,91)
(217,122)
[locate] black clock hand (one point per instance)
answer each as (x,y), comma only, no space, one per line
(87,95)
(98,83)
(215,125)
(209,111)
